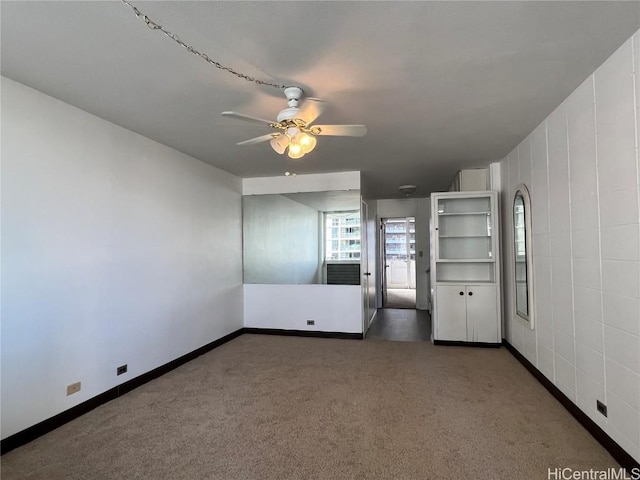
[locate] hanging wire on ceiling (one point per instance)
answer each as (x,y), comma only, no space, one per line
(154,26)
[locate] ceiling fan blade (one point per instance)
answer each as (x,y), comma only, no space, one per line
(247,118)
(311,109)
(260,139)
(340,130)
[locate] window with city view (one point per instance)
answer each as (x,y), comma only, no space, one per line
(342,233)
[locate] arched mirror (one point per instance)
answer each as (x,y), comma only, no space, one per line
(522,254)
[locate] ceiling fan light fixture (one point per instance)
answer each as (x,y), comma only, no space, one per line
(306,141)
(296,134)
(295,150)
(280,143)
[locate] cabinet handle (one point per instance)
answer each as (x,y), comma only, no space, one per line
(461,293)
(470,293)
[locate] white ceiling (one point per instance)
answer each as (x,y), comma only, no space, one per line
(440,85)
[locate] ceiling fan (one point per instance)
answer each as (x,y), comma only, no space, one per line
(295,131)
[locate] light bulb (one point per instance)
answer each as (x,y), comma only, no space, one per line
(307,142)
(295,151)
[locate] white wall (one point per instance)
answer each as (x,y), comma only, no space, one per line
(317,182)
(397,208)
(423,279)
(581,167)
(281,240)
(334,308)
(115,249)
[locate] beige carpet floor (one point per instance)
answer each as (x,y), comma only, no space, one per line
(269,407)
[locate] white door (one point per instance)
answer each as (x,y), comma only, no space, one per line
(384,267)
(364,267)
(371,231)
(399,247)
(482,313)
(451,313)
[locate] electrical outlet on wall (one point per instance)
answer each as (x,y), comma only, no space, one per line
(121,369)
(602,408)
(311,322)
(73,388)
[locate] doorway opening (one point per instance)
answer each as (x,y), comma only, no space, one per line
(399,260)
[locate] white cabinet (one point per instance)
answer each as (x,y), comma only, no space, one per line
(467,313)
(451,312)
(465,267)
(470,180)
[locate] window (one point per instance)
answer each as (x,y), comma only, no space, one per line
(522,254)
(342,232)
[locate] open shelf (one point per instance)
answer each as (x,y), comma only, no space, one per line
(444,214)
(465,248)
(464,206)
(464,271)
(464,282)
(465,260)
(465,239)
(465,236)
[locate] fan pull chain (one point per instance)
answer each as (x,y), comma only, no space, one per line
(154,26)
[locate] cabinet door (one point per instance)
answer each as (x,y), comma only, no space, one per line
(482,313)
(451,315)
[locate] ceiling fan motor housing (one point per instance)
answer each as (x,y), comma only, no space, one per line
(293,94)
(287,114)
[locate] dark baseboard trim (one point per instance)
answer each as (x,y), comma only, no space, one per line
(27,435)
(616,451)
(303,333)
(456,343)
(167,367)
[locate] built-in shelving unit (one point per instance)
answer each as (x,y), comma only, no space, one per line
(465,267)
